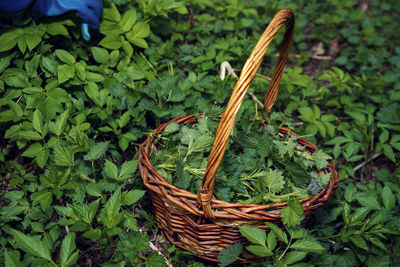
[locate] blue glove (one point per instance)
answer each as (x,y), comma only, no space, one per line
(13,6)
(89,11)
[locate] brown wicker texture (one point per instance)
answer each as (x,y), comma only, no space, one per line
(201,223)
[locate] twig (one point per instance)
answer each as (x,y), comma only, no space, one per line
(153,247)
(253,96)
(359,166)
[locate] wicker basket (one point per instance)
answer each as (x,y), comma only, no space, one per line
(201,223)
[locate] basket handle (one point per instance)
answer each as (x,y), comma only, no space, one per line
(246,77)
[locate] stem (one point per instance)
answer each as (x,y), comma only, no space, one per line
(328,237)
(284,252)
(94,174)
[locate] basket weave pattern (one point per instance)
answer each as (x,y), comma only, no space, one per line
(201,223)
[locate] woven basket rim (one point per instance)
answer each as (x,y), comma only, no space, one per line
(217,203)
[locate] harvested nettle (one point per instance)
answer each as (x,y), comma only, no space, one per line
(260,165)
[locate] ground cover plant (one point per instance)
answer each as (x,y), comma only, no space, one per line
(73,113)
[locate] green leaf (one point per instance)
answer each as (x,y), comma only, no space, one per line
(183,177)
(57,28)
(307,114)
(171,128)
(259,250)
(32,150)
(127,48)
(11,258)
(292,215)
(96,151)
(31,246)
(110,213)
(65,56)
(112,13)
(42,156)
(30,135)
(359,242)
(63,156)
(388,151)
(307,245)
(80,70)
(9,39)
(254,235)
(111,170)
(294,256)
(128,169)
(50,65)
(32,40)
(131,243)
(369,202)
(37,121)
(274,180)
(141,29)
(16,109)
(127,20)
(67,257)
(271,241)
(155,260)
(65,72)
(388,198)
(100,54)
(111,42)
(132,196)
(282,236)
(230,254)
(93,234)
(59,126)
(140,42)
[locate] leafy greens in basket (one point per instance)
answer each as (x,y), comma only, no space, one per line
(260,166)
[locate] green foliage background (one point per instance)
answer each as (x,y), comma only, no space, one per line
(73,113)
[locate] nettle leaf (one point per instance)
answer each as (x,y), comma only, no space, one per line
(65,56)
(37,121)
(321,159)
(111,170)
(131,243)
(307,245)
(96,151)
(282,236)
(388,198)
(132,196)
(64,156)
(31,245)
(254,235)
(67,256)
(230,254)
(111,210)
(274,180)
(30,135)
(292,215)
(294,256)
(259,250)
(156,260)
(128,169)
